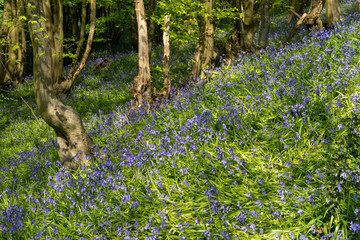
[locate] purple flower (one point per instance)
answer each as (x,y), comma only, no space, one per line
(355,227)
(355,197)
(300,212)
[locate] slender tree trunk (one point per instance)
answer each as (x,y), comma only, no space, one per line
(4,31)
(74,22)
(205,45)
(54,24)
(265,24)
(109,29)
(74,145)
(196,60)
(251,21)
(134,32)
(209,38)
(11,68)
(333,12)
(81,41)
(358,5)
(142,82)
(151,28)
(64,86)
(12,47)
(165,92)
(22,50)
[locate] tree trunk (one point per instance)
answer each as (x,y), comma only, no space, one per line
(54,24)
(74,18)
(358,5)
(251,19)
(74,145)
(205,45)
(142,82)
(165,92)
(134,32)
(4,31)
(64,86)
(151,28)
(265,24)
(312,19)
(109,29)
(333,12)
(13,49)
(81,41)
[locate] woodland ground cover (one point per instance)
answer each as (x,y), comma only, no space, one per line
(267,148)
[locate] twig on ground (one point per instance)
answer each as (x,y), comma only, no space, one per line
(25,104)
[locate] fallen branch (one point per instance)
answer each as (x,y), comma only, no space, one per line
(25,104)
(296,14)
(294,30)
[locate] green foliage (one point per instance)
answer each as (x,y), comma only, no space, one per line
(1,9)
(184,14)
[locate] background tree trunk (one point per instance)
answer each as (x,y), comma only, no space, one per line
(64,86)
(134,32)
(205,45)
(251,19)
(54,24)
(74,18)
(142,82)
(4,31)
(265,24)
(12,44)
(333,12)
(165,92)
(151,27)
(74,145)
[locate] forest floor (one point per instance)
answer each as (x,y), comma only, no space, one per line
(267,148)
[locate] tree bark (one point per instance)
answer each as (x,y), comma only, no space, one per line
(333,12)
(74,145)
(165,92)
(81,41)
(265,24)
(142,82)
(54,24)
(312,19)
(4,31)
(151,28)
(205,45)
(134,32)
(12,45)
(64,86)
(251,19)
(74,21)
